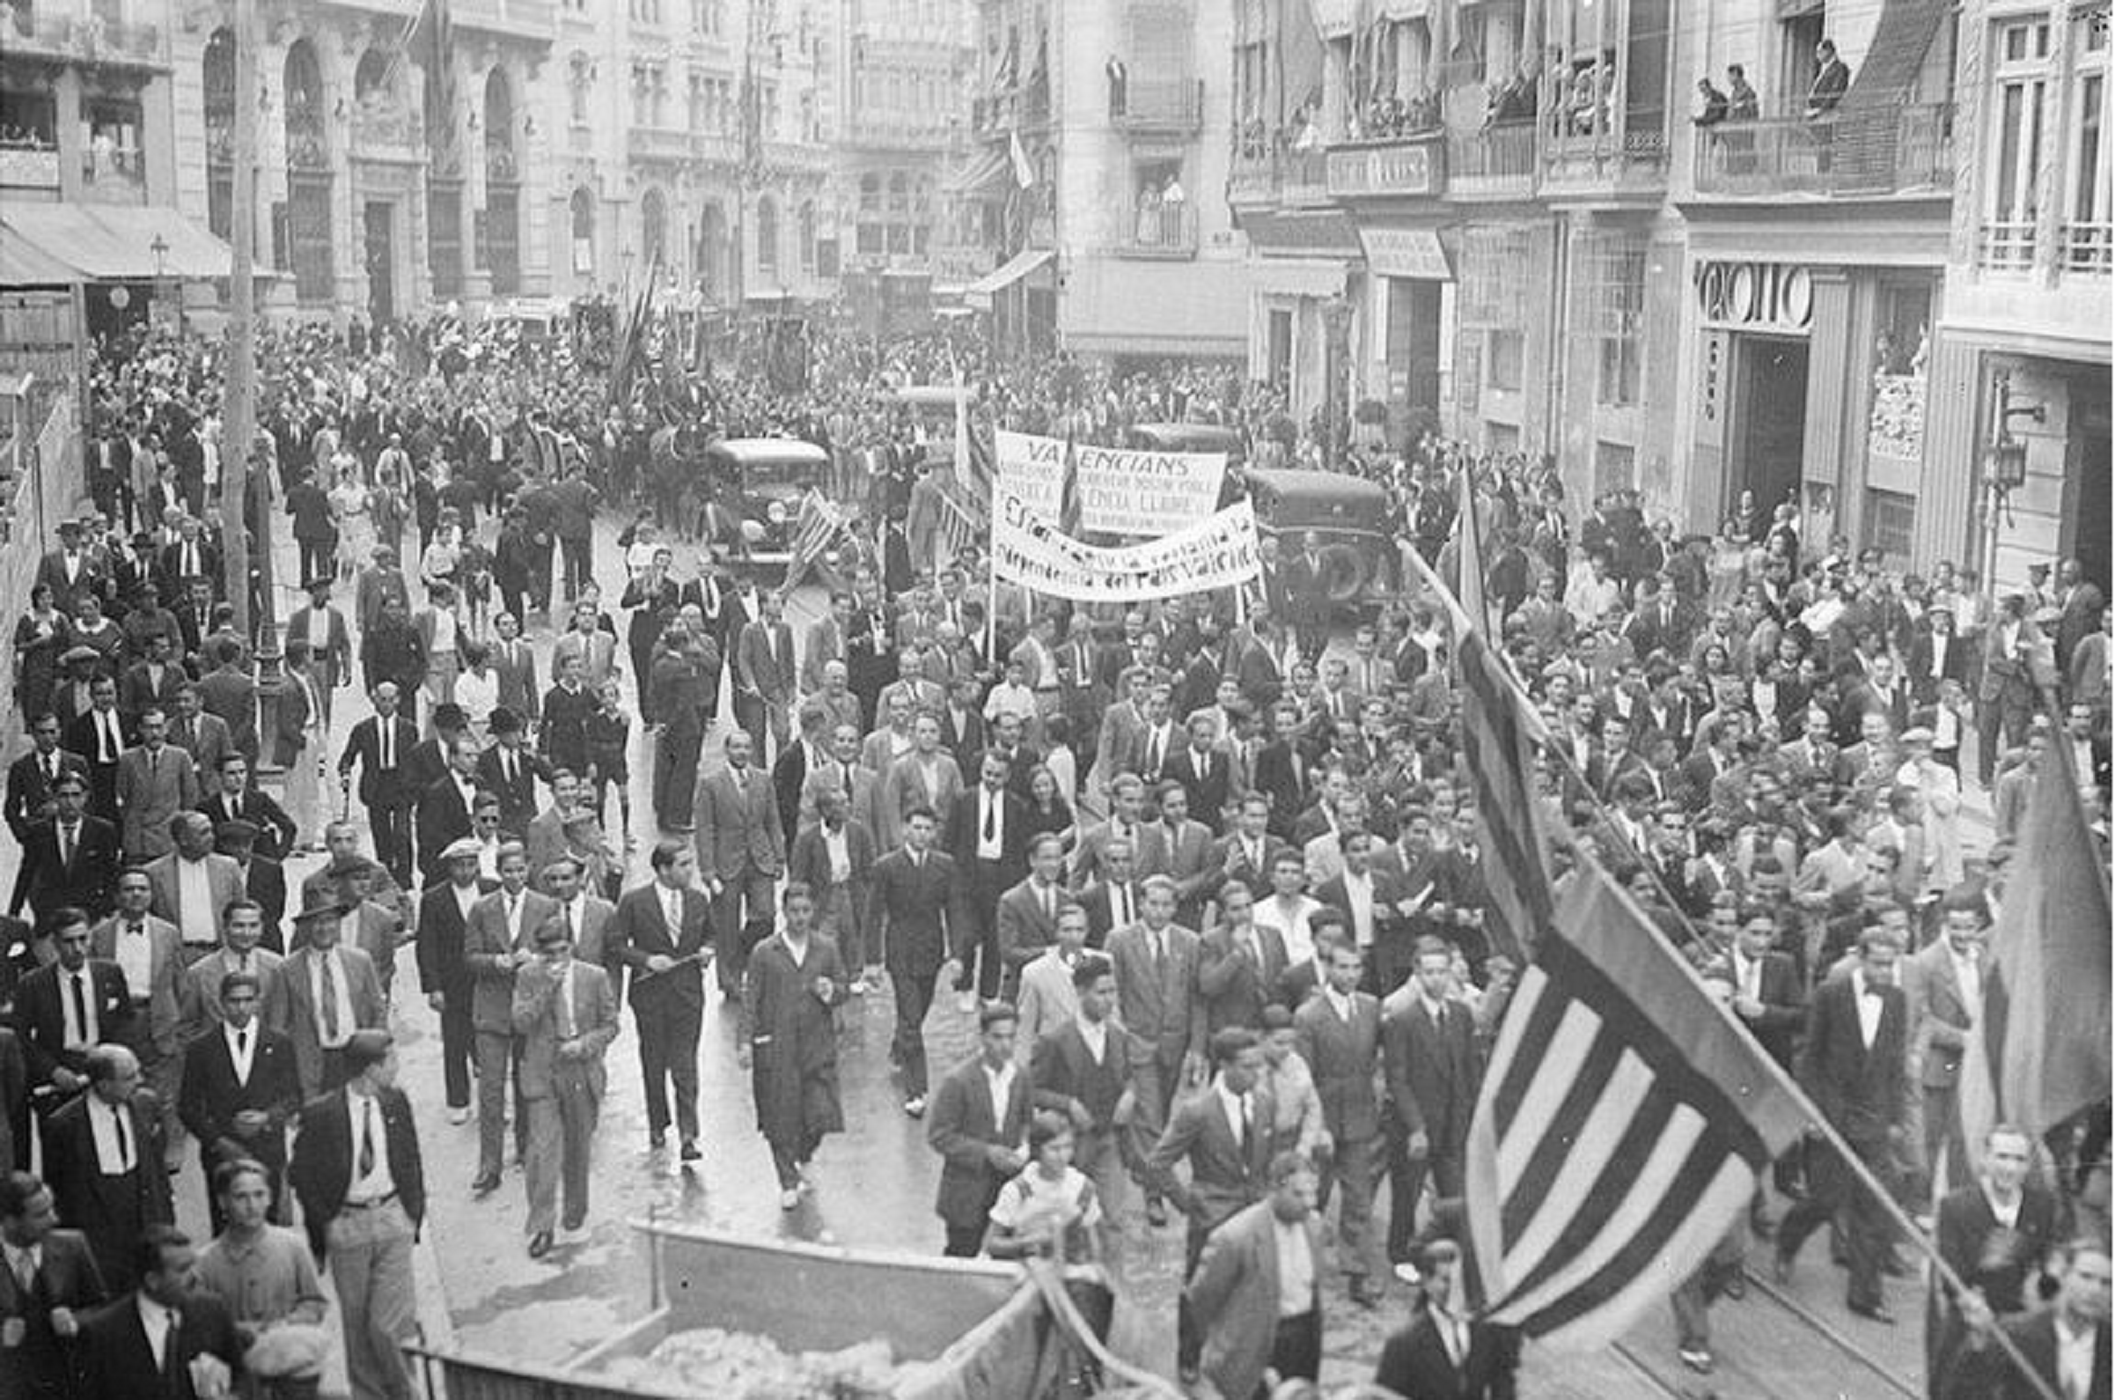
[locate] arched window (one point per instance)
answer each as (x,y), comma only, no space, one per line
(502,251)
(303,84)
(307,241)
(218,72)
(807,236)
(372,80)
(583,230)
(767,234)
(500,164)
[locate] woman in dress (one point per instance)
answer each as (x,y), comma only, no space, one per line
(92,629)
(1047,808)
(444,551)
(356,528)
(42,635)
(1729,565)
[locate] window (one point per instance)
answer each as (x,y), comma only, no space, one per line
(767,235)
(580,81)
(1493,292)
(2020,82)
(1506,354)
(1613,298)
(807,236)
(2089,229)
(1615,466)
(1802,33)
(1890,525)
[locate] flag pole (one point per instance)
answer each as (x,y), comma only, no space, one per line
(1817,1123)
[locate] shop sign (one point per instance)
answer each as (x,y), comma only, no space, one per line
(1756,296)
(1405,252)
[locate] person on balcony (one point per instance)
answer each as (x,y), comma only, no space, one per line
(1742,105)
(1712,104)
(1832,78)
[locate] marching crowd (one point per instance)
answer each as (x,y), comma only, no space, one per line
(1210,875)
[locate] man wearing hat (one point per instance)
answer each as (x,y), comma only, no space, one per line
(565,1016)
(327,992)
(323,628)
(74,693)
(509,769)
(378,582)
(1935,655)
(444,975)
(69,570)
(315,532)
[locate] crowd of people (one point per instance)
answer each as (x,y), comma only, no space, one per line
(1210,877)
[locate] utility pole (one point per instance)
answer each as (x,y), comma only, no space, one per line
(239,411)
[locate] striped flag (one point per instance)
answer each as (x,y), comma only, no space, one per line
(815,529)
(1469,556)
(1069,490)
(1623,1121)
(1509,818)
(2040,1051)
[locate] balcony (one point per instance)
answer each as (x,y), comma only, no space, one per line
(2089,248)
(1624,160)
(28,167)
(1156,230)
(1903,150)
(1413,167)
(113,175)
(2006,246)
(86,39)
(658,143)
(1279,177)
(1496,162)
(1161,108)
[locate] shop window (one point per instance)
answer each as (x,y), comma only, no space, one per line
(112,129)
(1613,299)
(1615,466)
(1890,525)
(1901,347)
(1507,356)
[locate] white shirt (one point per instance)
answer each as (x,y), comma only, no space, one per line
(160,1325)
(194,904)
(671,909)
(134,954)
(117,1148)
(1358,893)
(837,846)
(1869,1008)
(23,1263)
(1291,925)
(510,904)
(1296,1268)
(319,630)
(1000,1082)
(466,898)
(1339,1003)
(1095,1035)
(1968,971)
(242,1048)
(2006,1214)
(377,1183)
(2074,1359)
(342,984)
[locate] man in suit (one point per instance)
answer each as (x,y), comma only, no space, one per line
(1180,848)
(263,881)
(1943,990)
(379,745)
(1442,1352)
(914,915)
(744,847)
(67,1007)
(1996,1232)
(988,838)
(834,857)
(765,677)
(979,1128)
(1081,1067)
(1226,1131)
(174,881)
(2005,692)
(498,940)
(149,953)
(149,1343)
(924,777)
(1239,963)
(98,736)
(155,781)
(565,1014)
(323,627)
(198,731)
(514,662)
(586,915)
(1338,1034)
(2065,1345)
(445,805)
(235,800)
(789,771)
(68,859)
(1428,1041)
(361,1182)
(1853,1063)
(240,1090)
(444,975)
(326,994)
(509,769)
(103,1154)
(1026,917)
(70,571)
(242,931)
(1255,1293)
(1156,983)
(662,932)
(1204,772)
(32,778)
(43,1319)
(229,692)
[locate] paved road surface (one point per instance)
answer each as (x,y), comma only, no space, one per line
(875,1185)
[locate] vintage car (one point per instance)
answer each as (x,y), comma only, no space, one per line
(1188,437)
(1361,567)
(763,481)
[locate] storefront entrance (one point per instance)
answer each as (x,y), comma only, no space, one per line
(1769,420)
(1413,341)
(2087,521)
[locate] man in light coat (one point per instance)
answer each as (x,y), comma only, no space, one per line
(565,1013)
(1254,1271)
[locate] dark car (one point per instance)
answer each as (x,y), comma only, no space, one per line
(1188,437)
(1361,566)
(767,478)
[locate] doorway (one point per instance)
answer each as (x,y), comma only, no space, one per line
(1769,420)
(1278,347)
(2087,521)
(1413,340)
(381,255)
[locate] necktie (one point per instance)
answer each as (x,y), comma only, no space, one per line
(572,922)
(124,1139)
(1243,1143)
(110,742)
(66,838)
(51,767)
(170,1322)
(1123,899)
(242,1044)
(80,1009)
(367,1138)
(387,761)
(1153,754)
(1049,904)
(329,1010)
(506,765)
(991,818)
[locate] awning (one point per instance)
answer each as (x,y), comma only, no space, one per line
(104,243)
(1298,277)
(985,172)
(1010,272)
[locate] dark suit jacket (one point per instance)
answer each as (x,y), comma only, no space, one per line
(1784,1007)
(517,800)
(443,818)
(42,1018)
(276,832)
(914,910)
(1343,1057)
(1990,1258)
(1233,987)
(1987,1374)
(1288,791)
(323,1164)
(265,881)
(29,790)
(68,1278)
(212,1095)
(43,885)
(1063,1071)
(1415,1363)
(964,1124)
(1223,1179)
(965,827)
(1433,1075)
(440,940)
(1860,1090)
(107,1209)
(1208,794)
(789,773)
(379,787)
(640,930)
(117,1359)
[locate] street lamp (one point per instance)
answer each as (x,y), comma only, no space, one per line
(160,248)
(1336,360)
(2004,468)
